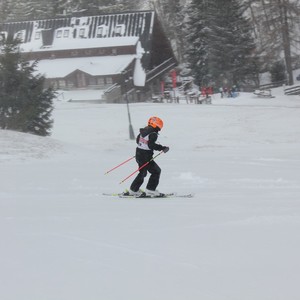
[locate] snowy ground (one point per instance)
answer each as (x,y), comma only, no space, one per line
(237,239)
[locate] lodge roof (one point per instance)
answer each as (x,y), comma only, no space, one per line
(97,31)
(95,66)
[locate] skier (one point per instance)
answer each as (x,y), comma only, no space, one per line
(146,144)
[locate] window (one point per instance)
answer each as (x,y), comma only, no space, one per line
(66,33)
(59,34)
(120,30)
(62,83)
(82,32)
(101,31)
(92,81)
(73,21)
(37,35)
(100,81)
(70,83)
(20,35)
(109,80)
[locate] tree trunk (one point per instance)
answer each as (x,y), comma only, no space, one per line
(286,39)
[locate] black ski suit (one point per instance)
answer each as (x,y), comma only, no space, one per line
(146,141)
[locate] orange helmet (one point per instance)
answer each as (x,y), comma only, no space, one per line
(156,122)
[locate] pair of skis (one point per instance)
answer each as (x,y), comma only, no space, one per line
(143,195)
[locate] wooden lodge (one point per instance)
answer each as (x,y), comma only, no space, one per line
(114,54)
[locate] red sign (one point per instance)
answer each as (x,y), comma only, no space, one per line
(162,87)
(174,79)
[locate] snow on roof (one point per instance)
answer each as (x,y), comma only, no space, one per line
(79,43)
(96,66)
(80,95)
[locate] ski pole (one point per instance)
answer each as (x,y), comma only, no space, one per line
(119,165)
(144,165)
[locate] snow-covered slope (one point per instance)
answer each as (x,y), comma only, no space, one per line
(238,238)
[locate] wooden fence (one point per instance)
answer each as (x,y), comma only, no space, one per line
(294,90)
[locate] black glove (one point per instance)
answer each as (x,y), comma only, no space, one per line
(165,149)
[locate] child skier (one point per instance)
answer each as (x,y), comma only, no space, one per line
(146,144)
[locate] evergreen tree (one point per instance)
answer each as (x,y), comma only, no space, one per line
(234,41)
(16,10)
(56,7)
(127,5)
(221,44)
(4,10)
(24,104)
(92,7)
(42,9)
(199,28)
(277,71)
